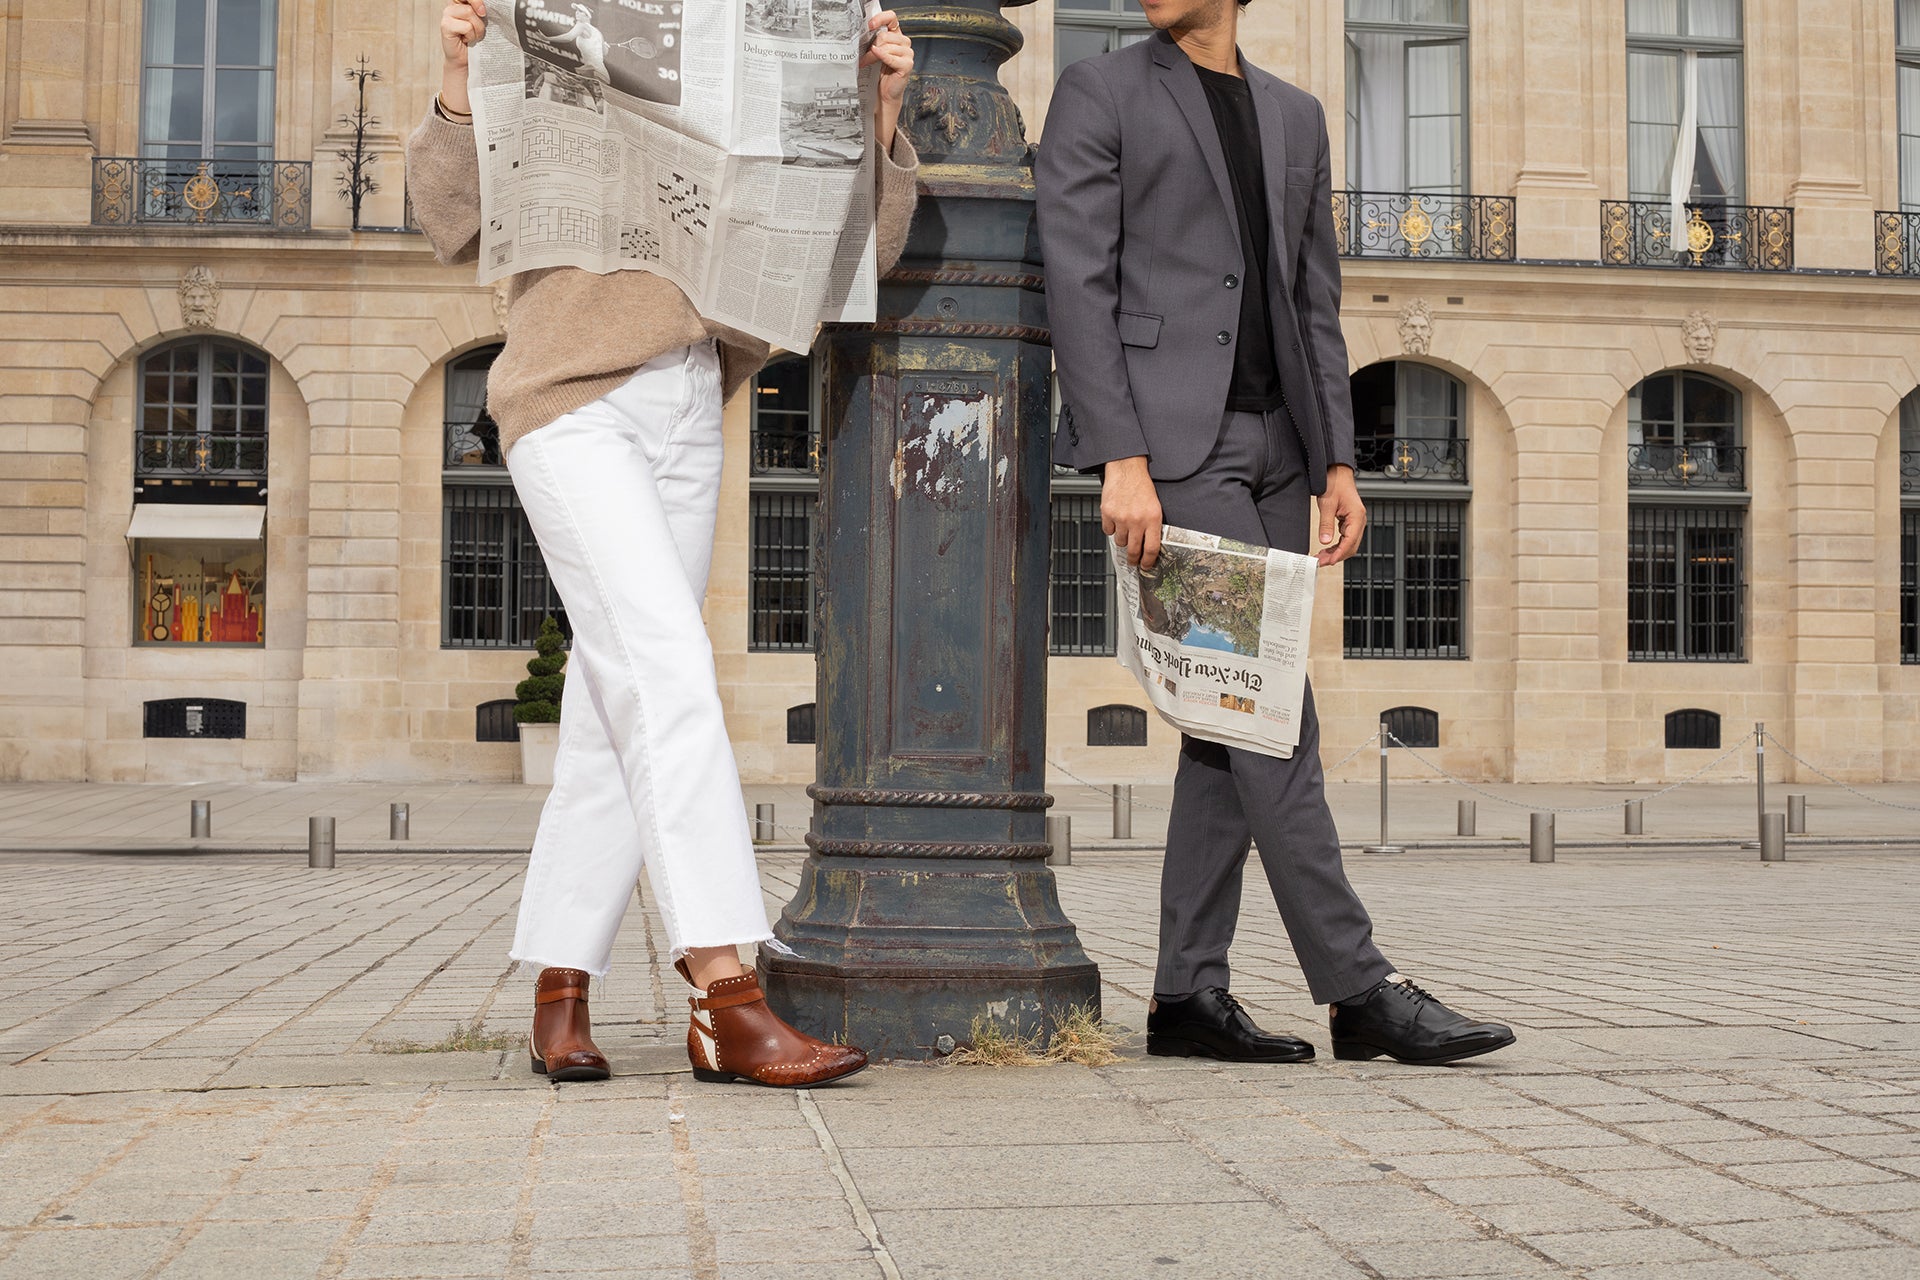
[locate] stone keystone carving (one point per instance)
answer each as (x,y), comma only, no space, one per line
(1416,328)
(500,304)
(1700,333)
(199,298)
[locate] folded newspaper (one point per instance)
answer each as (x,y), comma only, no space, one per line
(721,145)
(1216,633)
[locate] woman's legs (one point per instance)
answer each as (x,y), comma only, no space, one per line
(622,497)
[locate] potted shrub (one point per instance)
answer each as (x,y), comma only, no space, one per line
(537,705)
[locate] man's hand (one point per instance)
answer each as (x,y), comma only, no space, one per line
(1130,510)
(1343,518)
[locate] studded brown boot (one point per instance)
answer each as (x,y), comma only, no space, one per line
(561,1043)
(733,1035)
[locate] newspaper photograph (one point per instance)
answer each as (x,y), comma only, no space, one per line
(720,145)
(1216,634)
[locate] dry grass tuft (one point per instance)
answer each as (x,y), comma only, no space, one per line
(1080,1036)
(992,1045)
(464,1038)
(1085,1038)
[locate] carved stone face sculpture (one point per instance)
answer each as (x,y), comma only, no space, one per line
(1416,328)
(1700,333)
(199,298)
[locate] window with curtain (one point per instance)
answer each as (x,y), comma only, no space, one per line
(1406,588)
(1907,57)
(1407,96)
(494,589)
(784,488)
(1686,102)
(1686,558)
(209,80)
(1089,28)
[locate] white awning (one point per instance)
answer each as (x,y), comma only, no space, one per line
(198,522)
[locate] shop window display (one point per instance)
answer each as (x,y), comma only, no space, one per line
(199,593)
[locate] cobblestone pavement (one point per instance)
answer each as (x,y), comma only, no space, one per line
(1718,1075)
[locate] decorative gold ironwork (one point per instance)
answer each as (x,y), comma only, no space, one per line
(272,194)
(1897,244)
(1409,225)
(1639,233)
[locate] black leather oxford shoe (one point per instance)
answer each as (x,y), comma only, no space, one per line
(1211,1024)
(1399,1019)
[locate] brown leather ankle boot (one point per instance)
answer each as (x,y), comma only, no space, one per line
(561,1044)
(735,1036)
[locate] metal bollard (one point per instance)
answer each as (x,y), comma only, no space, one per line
(1122,812)
(1760,778)
(202,819)
(319,842)
(1540,838)
(1773,837)
(1060,838)
(763,824)
(1636,818)
(1468,819)
(1385,846)
(399,822)
(1796,815)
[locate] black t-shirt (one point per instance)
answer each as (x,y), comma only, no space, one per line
(1256,379)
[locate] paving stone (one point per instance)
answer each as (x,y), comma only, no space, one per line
(1440,1259)
(1613,1248)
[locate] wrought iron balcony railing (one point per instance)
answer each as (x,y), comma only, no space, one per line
(1392,224)
(1691,466)
(1910,471)
(1385,458)
(1896,243)
(1733,237)
(168,454)
(272,195)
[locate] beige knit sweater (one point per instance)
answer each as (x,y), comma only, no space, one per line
(573,336)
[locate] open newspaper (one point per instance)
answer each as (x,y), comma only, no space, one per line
(1216,633)
(721,145)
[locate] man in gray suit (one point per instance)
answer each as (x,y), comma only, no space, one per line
(1193,285)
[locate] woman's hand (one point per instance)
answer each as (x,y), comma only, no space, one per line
(894,52)
(463,24)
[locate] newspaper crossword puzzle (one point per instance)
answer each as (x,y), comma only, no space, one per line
(686,203)
(559,224)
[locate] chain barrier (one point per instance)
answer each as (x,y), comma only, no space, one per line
(1813,768)
(1610,807)
(1106,790)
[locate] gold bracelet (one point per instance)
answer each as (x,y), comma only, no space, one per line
(447,113)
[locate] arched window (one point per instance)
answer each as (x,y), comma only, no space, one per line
(1693,729)
(1116,725)
(1406,96)
(199,486)
(1413,726)
(1910,521)
(1406,588)
(203,412)
(783,492)
(1686,521)
(494,590)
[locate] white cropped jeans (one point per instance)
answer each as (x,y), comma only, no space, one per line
(622,497)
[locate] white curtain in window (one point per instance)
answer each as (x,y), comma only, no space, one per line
(1653,122)
(1686,144)
(1436,78)
(1653,17)
(1909,24)
(1380,101)
(1720,113)
(1910,138)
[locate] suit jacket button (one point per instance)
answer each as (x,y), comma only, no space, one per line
(1232,282)
(1223,337)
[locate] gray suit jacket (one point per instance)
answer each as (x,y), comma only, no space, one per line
(1143,259)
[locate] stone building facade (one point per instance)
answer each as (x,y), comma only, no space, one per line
(1638,480)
